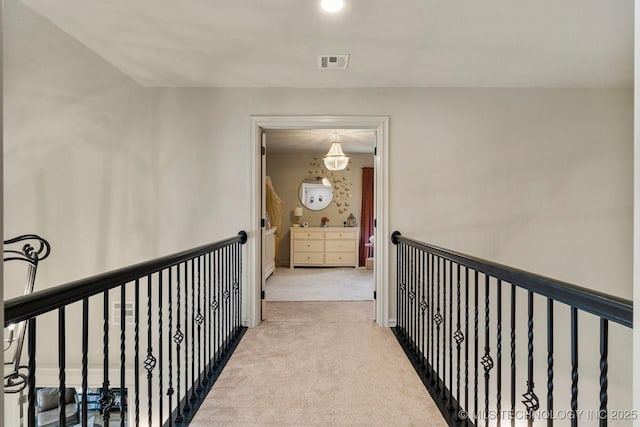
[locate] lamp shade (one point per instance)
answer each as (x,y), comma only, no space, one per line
(297,211)
(335,159)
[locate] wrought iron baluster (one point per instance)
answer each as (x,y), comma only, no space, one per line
(177,339)
(412,299)
(431,314)
(211,317)
(466,343)
(187,407)
(207,319)
(512,414)
(237,287)
(229,300)
(604,367)
(31,380)
(193,330)
(443,376)
(438,319)
(530,399)
(160,351)
(499,351)
(106,398)
(423,307)
(219,314)
(475,346)
(199,319)
(150,361)
(487,362)
(450,405)
(398,280)
(85,358)
(458,336)
(550,360)
(136,351)
(61,368)
(170,389)
(123,302)
(574,367)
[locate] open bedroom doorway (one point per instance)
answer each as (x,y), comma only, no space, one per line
(298,259)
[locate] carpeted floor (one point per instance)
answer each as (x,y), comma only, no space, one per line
(320,284)
(318,364)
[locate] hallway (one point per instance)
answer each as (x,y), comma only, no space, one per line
(318,364)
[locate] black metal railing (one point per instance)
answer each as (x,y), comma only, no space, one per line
(181,326)
(442,298)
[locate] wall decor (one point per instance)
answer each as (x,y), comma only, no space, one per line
(341,185)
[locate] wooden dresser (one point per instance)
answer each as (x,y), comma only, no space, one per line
(324,246)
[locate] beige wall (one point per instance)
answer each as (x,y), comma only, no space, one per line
(287,172)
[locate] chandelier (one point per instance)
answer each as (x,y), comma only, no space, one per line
(335,160)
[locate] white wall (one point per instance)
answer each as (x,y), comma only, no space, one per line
(636,217)
(78,160)
(539,179)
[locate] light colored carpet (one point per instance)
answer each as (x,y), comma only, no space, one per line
(318,364)
(320,284)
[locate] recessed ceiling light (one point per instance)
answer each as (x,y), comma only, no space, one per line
(332,5)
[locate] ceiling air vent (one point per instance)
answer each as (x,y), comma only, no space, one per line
(333,62)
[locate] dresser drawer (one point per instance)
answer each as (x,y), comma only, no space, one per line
(340,258)
(341,245)
(304,235)
(309,245)
(313,258)
(346,234)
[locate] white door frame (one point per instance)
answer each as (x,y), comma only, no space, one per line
(252,312)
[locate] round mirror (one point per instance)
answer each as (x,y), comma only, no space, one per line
(316,193)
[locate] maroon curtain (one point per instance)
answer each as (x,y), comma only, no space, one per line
(366,214)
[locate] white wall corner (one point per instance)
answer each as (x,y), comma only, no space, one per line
(1,183)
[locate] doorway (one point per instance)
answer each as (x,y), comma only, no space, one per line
(376,125)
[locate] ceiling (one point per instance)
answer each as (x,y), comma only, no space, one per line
(403,43)
(317,141)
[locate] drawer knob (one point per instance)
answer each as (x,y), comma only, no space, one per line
(308,245)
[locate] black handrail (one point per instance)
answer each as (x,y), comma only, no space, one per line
(606,306)
(27,306)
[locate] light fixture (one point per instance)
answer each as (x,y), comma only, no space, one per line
(332,6)
(335,160)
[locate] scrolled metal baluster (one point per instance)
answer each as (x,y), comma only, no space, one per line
(107,398)
(170,390)
(550,360)
(423,307)
(458,337)
(530,401)
(466,342)
(487,361)
(177,339)
(512,414)
(123,302)
(450,405)
(444,331)
(31,379)
(61,368)
(85,358)
(186,407)
(574,367)
(150,361)
(604,367)
(194,390)
(136,351)
(160,349)
(438,319)
(499,351)
(199,319)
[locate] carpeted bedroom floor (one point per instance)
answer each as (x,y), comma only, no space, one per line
(320,284)
(318,364)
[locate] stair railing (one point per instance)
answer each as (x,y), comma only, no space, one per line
(450,313)
(169,344)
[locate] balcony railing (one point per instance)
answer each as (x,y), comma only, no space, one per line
(441,296)
(163,331)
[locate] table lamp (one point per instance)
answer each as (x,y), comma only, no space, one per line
(297,212)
